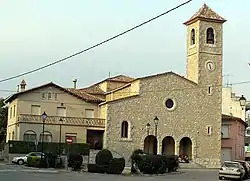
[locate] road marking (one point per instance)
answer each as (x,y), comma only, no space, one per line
(6,170)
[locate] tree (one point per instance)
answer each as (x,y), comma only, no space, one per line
(3,120)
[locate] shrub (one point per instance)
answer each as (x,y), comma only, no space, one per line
(103,157)
(116,166)
(33,161)
(94,168)
(24,147)
(76,161)
(172,162)
(52,159)
(153,164)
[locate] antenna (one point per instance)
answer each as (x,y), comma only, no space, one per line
(228,80)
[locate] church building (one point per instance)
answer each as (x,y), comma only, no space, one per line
(171,114)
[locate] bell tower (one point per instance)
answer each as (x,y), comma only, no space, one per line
(204,47)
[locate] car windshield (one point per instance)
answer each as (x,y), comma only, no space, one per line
(232,165)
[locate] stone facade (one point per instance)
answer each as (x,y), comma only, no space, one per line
(192,124)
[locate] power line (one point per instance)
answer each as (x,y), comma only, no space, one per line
(96,45)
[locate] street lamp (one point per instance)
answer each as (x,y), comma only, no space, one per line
(61,121)
(44,117)
(148,127)
(242,102)
(156,121)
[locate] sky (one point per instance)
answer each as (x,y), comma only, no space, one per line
(35,33)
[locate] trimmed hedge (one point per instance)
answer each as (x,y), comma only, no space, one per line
(116,166)
(105,163)
(23,147)
(153,164)
(94,168)
(75,160)
(103,157)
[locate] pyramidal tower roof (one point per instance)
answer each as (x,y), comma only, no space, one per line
(207,14)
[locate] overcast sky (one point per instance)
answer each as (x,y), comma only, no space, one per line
(34,33)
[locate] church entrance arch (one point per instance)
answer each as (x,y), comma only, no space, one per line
(186,147)
(168,145)
(150,145)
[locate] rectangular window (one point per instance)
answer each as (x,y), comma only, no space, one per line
(225,131)
(55,96)
(35,110)
(210,89)
(14,111)
(43,95)
(209,130)
(89,113)
(10,112)
(61,111)
(29,137)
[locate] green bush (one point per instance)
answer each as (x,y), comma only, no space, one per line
(23,147)
(94,168)
(103,157)
(33,161)
(153,164)
(116,166)
(76,161)
(105,163)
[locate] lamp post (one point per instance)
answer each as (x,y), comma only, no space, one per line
(242,102)
(148,127)
(44,117)
(60,138)
(156,121)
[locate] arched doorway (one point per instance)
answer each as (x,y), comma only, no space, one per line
(186,147)
(150,145)
(168,145)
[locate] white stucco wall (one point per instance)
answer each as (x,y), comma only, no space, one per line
(231,104)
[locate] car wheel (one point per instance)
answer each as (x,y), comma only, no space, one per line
(220,178)
(20,162)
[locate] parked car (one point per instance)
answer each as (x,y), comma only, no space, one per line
(246,166)
(231,170)
(22,160)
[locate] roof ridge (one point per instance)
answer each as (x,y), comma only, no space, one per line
(205,12)
(85,93)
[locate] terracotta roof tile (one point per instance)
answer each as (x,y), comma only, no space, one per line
(121,78)
(74,92)
(85,96)
(233,118)
(205,12)
(94,89)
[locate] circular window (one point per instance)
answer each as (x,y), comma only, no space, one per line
(169,103)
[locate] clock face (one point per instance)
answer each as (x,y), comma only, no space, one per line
(210,66)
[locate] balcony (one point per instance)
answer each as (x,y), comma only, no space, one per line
(54,120)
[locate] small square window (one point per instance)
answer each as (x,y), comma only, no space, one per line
(210,90)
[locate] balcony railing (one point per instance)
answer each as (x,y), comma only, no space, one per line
(55,120)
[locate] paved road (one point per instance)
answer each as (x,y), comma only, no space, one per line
(12,172)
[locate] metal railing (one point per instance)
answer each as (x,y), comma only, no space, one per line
(55,120)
